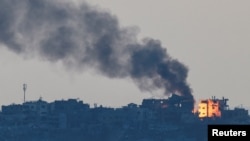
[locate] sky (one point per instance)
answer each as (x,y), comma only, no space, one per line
(210,38)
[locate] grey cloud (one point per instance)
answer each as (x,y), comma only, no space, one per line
(88,37)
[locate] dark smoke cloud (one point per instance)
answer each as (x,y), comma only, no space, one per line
(87,37)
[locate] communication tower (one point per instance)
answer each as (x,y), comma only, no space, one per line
(24,91)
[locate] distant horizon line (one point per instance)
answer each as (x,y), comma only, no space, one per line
(101,105)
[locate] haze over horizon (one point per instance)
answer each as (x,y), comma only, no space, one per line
(210,38)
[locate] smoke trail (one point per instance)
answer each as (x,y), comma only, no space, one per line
(87,37)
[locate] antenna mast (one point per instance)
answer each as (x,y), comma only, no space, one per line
(24,90)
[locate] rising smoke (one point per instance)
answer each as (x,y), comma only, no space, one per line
(87,37)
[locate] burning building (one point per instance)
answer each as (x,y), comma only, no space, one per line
(212,107)
(209,108)
(215,108)
(153,118)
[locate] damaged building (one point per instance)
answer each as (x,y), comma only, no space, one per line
(153,119)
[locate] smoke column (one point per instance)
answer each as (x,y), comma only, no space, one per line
(86,37)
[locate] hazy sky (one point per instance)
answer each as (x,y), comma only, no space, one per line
(210,37)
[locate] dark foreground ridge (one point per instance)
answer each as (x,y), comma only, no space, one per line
(153,120)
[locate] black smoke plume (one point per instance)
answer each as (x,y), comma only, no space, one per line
(82,36)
